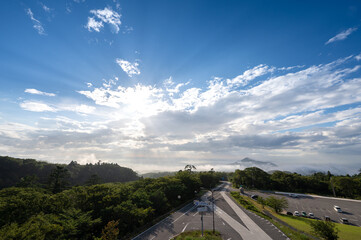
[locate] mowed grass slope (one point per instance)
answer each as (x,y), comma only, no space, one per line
(346,232)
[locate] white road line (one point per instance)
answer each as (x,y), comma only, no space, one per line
(163,221)
(183,214)
(195,214)
(185,227)
(152,238)
(254,229)
(239,228)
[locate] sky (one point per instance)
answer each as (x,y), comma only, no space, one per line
(155,85)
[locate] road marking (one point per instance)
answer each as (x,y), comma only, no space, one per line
(224,224)
(255,231)
(163,221)
(183,214)
(195,214)
(185,227)
(152,238)
(242,231)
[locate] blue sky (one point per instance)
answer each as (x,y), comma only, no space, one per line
(155,85)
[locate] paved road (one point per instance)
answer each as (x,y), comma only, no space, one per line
(322,206)
(230,220)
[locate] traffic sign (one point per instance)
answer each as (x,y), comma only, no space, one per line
(202,209)
(201,203)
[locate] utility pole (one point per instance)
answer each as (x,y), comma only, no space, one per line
(202,222)
(213,209)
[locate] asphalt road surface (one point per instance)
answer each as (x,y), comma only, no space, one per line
(232,221)
(321,206)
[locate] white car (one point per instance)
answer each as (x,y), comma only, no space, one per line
(310,215)
(296,213)
(344,221)
(337,209)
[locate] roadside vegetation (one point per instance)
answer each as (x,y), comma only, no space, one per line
(305,227)
(95,211)
(317,183)
(197,235)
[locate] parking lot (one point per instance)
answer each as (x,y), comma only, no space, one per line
(321,206)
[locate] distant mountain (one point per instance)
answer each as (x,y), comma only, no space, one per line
(157,174)
(248,162)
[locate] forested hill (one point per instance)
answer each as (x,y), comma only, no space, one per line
(20,172)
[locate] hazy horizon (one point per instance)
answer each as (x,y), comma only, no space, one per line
(156,86)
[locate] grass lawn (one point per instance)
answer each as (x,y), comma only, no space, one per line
(346,232)
(197,235)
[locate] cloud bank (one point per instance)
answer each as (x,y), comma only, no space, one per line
(287,115)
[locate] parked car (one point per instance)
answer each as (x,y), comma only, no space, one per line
(327,218)
(255,197)
(289,213)
(304,214)
(337,209)
(296,213)
(310,215)
(344,220)
(293,195)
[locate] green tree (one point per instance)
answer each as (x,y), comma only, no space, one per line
(58,179)
(28,181)
(93,180)
(261,201)
(325,230)
(278,204)
(189,167)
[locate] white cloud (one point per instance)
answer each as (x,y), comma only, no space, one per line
(341,36)
(34,91)
(45,8)
(250,74)
(106,15)
(358,57)
(129,68)
(94,25)
(36,107)
(81,109)
(37,24)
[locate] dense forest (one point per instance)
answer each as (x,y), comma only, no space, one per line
(29,172)
(97,211)
(317,183)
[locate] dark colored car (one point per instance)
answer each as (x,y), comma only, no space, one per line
(327,218)
(255,197)
(289,213)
